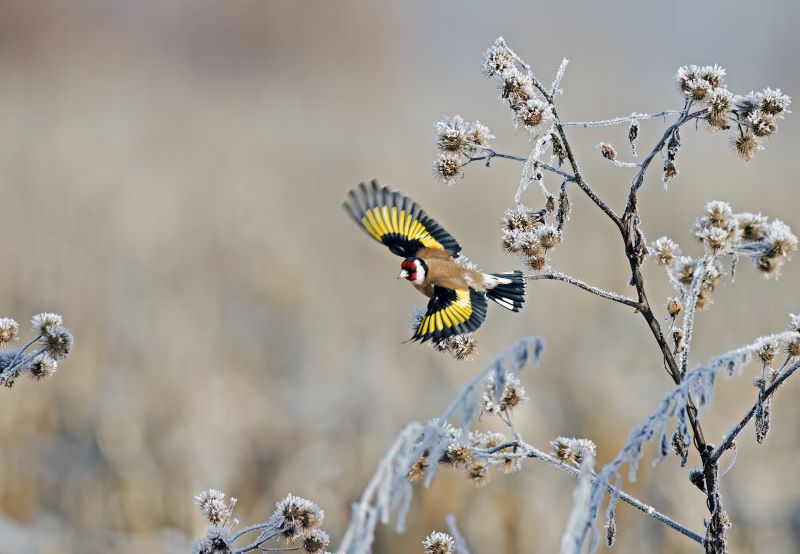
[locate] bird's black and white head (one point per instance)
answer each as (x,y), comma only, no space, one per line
(414,270)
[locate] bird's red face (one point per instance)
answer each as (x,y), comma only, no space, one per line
(412,269)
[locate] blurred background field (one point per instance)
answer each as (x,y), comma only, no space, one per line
(171,179)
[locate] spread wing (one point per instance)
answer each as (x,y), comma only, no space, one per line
(397,221)
(451,312)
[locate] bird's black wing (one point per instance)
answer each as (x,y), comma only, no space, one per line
(451,312)
(397,221)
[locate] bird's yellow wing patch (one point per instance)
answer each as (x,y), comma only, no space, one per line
(397,221)
(451,312)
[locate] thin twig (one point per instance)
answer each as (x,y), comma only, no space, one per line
(558,276)
(619,120)
(493,154)
(532,452)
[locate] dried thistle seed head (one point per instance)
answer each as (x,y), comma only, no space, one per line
(512,395)
(711,74)
(780,241)
(530,114)
(718,213)
(607,151)
(510,241)
(447,168)
(497,60)
(697,89)
(478,473)
(58,342)
(213,506)
(772,102)
(43,367)
(439,543)
(753,226)
(746,145)
(218,541)
(720,102)
(295,516)
(315,541)
(716,239)
(550,204)
(572,450)
(673,307)
(8,330)
(547,236)
(451,134)
(767,353)
(516,87)
(42,322)
(536,263)
(457,454)
(511,464)
(522,218)
(684,270)
(478,137)
(485,440)
(460,347)
(760,123)
(686,74)
(529,244)
(666,251)
(793,348)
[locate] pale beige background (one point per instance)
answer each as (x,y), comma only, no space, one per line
(171,178)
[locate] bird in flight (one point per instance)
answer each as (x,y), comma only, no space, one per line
(457,294)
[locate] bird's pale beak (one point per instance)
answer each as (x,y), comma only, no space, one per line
(403,274)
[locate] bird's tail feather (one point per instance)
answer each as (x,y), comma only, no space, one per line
(506,289)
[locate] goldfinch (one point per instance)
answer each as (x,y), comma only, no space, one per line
(457,294)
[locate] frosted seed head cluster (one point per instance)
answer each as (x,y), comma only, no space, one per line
(516,86)
(457,141)
(53,343)
(527,234)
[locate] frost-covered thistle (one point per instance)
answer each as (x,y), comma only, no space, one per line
(451,134)
(530,115)
(214,507)
(8,330)
(438,543)
(295,516)
(497,59)
(43,367)
(447,168)
(511,395)
(572,451)
(666,251)
(45,321)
